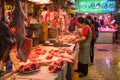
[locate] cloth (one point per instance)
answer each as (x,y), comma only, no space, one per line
(86,31)
(84,53)
(96,24)
(45,16)
(6,38)
(45,31)
(93,31)
(69,75)
(92,51)
(83,68)
(76,22)
(84,49)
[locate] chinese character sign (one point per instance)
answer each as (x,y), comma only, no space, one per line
(96,6)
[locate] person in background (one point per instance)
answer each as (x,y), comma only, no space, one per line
(115,26)
(73,24)
(71,28)
(61,21)
(8,17)
(101,22)
(84,39)
(6,41)
(90,23)
(45,20)
(96,25)
(45,15)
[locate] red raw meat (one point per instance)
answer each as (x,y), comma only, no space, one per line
(56,50)
(33,56)
(37,52)
(42,52)
(49,56)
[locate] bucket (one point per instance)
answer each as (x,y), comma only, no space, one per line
(52,33)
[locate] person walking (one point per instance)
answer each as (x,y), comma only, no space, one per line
(84,39)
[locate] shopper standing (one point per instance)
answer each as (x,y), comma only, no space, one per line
(84,39)
(96,24)
(115,26)
(92,43)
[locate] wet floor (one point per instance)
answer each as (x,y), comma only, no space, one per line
(106,64)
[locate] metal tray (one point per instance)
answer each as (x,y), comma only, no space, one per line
(27,72)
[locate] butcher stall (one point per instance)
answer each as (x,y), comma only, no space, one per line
(50,60)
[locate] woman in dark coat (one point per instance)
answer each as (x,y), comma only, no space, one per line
(6,41)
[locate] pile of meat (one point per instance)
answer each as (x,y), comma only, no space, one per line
(63,54)
(55,56)
(55,66)
(29,67)
(35,53)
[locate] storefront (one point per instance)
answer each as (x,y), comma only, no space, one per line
(50,59)
(50,54)
(103,11)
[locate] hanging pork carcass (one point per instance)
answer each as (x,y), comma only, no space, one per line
(18,17)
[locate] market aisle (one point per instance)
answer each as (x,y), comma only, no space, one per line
(106,65)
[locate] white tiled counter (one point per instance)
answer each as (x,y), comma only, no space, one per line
(105,36)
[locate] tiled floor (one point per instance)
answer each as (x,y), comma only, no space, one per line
(106,64)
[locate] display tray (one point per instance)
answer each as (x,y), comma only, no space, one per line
(46,44)
(61,45)
(56,44)
(27,72)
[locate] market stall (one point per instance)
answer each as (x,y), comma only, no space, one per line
(43,71)
(52,58)
(106,35)
(102,11)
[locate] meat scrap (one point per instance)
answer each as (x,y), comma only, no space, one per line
(39,50)
(50,56)
(55,66)
(67,56)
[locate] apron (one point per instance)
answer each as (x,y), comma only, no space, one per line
(84,48)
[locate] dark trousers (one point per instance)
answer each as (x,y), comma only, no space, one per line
(92,51)
(83,68)
(116,35)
